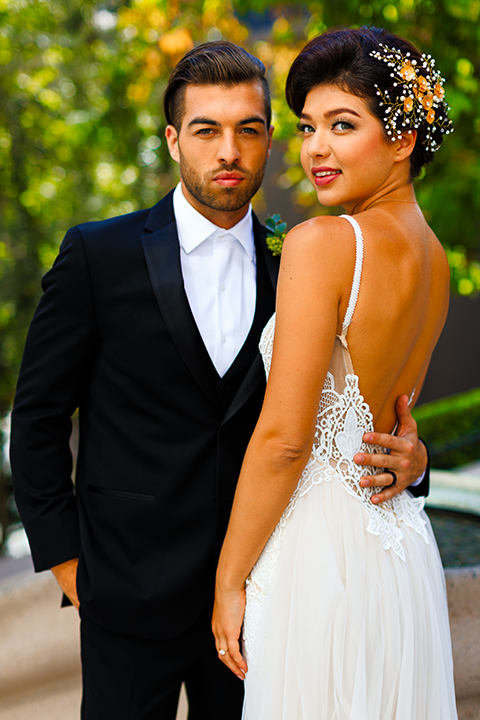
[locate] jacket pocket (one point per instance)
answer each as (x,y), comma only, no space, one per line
(120,494)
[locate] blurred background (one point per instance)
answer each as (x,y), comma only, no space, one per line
(82,138)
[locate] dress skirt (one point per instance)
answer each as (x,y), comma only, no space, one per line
(339,628)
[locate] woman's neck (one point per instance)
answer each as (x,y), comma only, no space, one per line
(402,194)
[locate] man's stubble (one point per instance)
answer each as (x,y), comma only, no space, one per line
(223,199)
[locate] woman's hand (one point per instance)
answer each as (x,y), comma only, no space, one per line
(227,625)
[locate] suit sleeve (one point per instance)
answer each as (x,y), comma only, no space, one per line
(59,352)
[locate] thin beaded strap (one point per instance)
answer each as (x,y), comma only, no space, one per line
(357,274)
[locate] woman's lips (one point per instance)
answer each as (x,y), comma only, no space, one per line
(325,175)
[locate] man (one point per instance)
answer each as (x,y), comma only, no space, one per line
(149,324)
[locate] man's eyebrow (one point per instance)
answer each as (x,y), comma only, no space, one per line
(203,121)
(254,119)
(330,113)
(215,123)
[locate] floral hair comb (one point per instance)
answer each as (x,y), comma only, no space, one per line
(420,99)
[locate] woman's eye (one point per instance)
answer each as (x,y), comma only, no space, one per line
(342,125)
(305,129)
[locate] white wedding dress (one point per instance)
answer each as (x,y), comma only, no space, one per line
(346,615)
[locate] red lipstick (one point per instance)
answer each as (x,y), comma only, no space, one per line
(325,175)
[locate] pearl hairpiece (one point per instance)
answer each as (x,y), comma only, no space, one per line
(421,95)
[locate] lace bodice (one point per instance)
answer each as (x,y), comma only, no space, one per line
(343,417)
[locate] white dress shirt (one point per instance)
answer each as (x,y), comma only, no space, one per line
(219,275)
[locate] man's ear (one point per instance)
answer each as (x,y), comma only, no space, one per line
(172,142)
(270,133)
(405,145)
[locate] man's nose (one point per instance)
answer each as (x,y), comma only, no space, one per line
(228,150)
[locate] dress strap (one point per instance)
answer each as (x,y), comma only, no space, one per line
(356,275)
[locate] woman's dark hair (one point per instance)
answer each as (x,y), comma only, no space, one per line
(213,63)
(341,56)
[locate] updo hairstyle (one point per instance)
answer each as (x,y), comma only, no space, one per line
(341,56)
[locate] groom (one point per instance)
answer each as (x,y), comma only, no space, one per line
(149,324)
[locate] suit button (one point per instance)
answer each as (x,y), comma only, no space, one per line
(224,389)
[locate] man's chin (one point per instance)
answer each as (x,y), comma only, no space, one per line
(224,199)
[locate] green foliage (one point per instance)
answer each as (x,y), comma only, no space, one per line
(449,192)
(81,124)
(81,129)
(451,429)
(276,232)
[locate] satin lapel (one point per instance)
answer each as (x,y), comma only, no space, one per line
(162,254)
(256,374)
(253,378)
(272,263)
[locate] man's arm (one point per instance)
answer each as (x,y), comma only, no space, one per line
(407,458)
(60,347)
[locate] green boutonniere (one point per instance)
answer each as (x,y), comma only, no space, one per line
(276,231)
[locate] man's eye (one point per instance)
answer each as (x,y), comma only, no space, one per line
(204,131)
(250,131)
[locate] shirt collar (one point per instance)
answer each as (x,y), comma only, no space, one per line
(193,228)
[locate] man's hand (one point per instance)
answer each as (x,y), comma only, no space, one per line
(408,455)
(66,575)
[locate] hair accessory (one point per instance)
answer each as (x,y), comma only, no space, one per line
(420,96)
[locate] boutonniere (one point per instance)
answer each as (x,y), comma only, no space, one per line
(276,232)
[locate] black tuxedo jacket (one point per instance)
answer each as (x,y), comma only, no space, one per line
(162,436)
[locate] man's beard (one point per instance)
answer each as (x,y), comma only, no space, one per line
(224,199)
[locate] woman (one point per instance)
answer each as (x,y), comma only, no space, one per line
(346,615)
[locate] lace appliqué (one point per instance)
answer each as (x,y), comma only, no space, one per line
(342,420)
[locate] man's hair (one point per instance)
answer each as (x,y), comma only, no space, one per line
(213,63)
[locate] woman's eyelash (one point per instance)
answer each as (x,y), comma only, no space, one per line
(301,127)
(343,122)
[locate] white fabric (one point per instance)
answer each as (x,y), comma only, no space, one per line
(219,275)
(357,273)
(346,615)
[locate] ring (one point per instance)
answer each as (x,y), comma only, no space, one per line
(394,481)
(222,652)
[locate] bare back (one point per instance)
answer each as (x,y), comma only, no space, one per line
(401,308)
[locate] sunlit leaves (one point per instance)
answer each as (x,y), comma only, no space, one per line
(81,122)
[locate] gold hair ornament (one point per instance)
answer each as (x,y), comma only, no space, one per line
(420,98)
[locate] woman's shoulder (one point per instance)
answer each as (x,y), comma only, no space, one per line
(321,234)
(321,250)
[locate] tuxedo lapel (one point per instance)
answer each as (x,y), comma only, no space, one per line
(162,254)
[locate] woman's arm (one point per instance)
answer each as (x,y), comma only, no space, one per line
(316,273)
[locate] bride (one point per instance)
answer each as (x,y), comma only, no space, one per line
(343,600)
